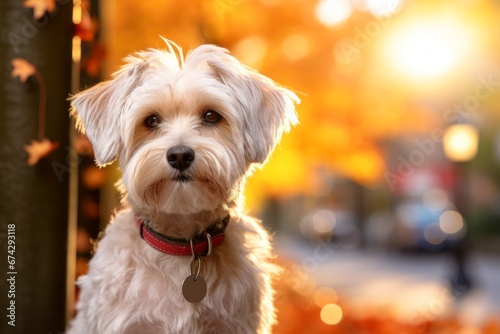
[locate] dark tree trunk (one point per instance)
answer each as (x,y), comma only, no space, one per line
(34,199)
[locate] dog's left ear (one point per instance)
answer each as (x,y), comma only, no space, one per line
(98,110)
(269,110)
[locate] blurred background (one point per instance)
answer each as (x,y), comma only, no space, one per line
(384,201)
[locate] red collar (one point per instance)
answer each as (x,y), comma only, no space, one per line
(201,243)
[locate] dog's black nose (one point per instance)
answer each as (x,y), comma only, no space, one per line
(180,157)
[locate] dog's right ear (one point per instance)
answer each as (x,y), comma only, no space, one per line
(99,109)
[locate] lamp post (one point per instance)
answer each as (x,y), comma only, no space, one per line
(460,144)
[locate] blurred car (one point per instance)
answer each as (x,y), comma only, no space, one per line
(427,225)
(337,226)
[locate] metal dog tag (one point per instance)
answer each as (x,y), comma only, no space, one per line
(194,289)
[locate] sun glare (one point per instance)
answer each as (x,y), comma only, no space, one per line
(427,49)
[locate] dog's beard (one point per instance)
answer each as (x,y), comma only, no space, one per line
(151,183)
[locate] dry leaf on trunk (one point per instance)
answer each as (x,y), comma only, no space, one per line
(40,7)
(22,69)
(39,149)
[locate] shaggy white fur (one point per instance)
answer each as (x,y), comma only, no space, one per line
(231,118)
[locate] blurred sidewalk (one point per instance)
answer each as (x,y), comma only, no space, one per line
(412,286)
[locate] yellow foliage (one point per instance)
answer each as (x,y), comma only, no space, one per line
(349,105)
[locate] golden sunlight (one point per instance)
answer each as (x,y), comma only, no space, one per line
(427,48)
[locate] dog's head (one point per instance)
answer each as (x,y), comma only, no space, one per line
(185,132)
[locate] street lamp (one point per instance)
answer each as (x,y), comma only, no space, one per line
(460,144)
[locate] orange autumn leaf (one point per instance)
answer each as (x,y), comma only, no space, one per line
(22,69)
(39,149)
(40,7)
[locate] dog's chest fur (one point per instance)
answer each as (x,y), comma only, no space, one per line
(139,288)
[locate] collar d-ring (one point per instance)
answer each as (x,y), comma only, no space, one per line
(192,247)
(209,246)
(195,257)
(209,242)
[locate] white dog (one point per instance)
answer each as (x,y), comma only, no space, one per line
(181,257)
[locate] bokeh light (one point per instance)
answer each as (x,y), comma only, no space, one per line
(451,222)
(251,50)
(333,12)
(323,221)
(324,296)
(460,142)
(331,314)
(433,234)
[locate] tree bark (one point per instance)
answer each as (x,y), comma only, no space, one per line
(34,199)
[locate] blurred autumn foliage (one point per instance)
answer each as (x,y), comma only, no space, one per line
(285,42)
(352,102)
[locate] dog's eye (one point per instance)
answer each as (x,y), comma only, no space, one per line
(211,117)
(152,121)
